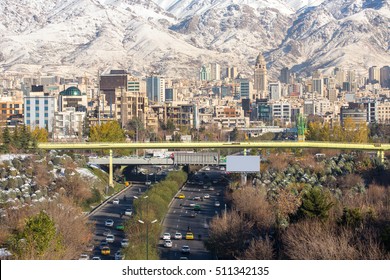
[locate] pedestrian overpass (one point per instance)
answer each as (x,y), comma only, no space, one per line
(378,147)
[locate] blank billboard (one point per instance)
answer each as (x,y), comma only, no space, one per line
(243,163)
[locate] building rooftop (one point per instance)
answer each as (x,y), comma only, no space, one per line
(71,91)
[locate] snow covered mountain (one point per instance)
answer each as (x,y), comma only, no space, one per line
(175,37)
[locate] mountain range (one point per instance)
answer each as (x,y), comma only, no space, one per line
(176,37)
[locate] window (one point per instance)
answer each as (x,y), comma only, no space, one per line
(16,106)
(4,111)
(46,108)
(28,115)
(28,102)
(36,121)
(37,108)
(46,102)
(28,108)
(3,105)
(16,112)
(37,115)
(28,122)
(46,115)
(36,102)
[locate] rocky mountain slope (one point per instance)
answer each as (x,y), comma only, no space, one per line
(175,37)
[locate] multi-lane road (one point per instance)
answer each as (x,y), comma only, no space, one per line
(182,218)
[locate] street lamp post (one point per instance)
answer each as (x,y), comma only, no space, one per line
(147,235)
(144,197)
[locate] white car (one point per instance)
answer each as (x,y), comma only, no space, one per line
(115,201)
(167,243)
(217,204)
(206,196)
(96,258)
(119,255)
(125,242)
(148,183)
(207,168)
(84,257)
(106,232)
(185,249)
(129,212)
(166,236)
(192,204)
(178,235)
(109,223)
(196,198)
(110,238)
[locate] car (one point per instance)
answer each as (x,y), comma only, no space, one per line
(206,196)
(178,235)
(215,181)
(103,243)
(217,204)
(89,247)
(105,251)
(110,238)
(200,183)
(211,188)
(167,243)
(166,236)
(193,214)
(120,227)
(84,257)
(197,207)
(192,204)
(207,168)
(119,255)
(196,198)
(96,258)
(129,211)
(189,236)
(181,196)
(106,232)
(185,249)
(109,223)
(222,168)
(125,242)
(148,183)
(183,258)
(115,201)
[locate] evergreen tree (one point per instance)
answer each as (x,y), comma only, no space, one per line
(16,138)
(25,137)
(315,204)
(6,136)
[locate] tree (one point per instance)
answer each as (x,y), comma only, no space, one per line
(136,128)
(40,134)
(234,134)
(107,132)
(315,204)
(314,131)
(37,237)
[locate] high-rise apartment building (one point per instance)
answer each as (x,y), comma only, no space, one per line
(385,76)
(155,88)
(318,86)
(215,71)
(339,75)
(204,73)
(260,84)
(39,109)
(275,91)
(374,75)
(285,75)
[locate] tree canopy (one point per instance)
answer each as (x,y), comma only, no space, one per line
(107,132)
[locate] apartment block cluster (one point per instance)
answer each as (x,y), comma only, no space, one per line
(219,98)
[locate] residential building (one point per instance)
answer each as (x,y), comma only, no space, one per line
(374,75)
(155,88)
(68,124)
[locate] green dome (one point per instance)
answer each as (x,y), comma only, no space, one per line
(71,91)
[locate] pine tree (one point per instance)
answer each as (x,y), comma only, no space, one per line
(315,204)
(16,138)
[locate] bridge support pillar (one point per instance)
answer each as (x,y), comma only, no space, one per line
(381,156)
(243,179)
(110,171)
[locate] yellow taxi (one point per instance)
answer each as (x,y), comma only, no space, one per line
(181,196)
(105,251)
(189,236)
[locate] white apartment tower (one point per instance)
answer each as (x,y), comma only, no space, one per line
(260,85)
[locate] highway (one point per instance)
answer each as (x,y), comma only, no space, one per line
(114,212)
(179,217)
